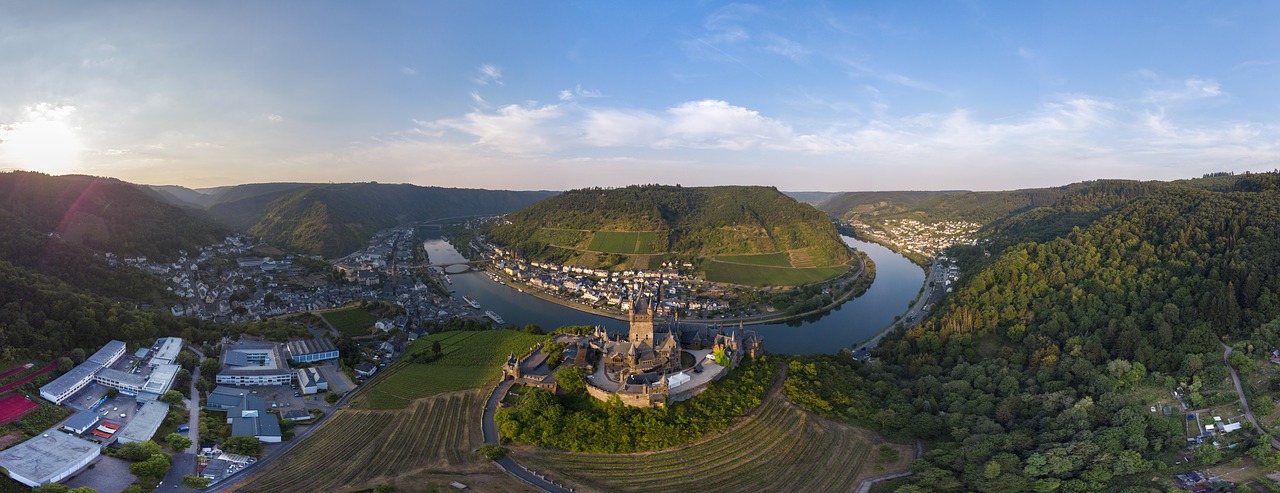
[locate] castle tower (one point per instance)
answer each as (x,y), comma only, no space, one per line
(641,321)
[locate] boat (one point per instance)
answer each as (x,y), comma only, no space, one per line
(448,279)
(494,317)
(471,302)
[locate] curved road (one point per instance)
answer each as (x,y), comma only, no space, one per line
(491,436)
(912,317)
(1248,414)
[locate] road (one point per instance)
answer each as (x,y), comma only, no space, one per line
(912,317)
(1248,414)
(491,436)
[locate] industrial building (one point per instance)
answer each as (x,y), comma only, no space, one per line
(254,363)
(72,381)
(311,381)
(48,458)
(311,350)
(144,423)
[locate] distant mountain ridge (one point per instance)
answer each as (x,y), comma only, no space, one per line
(336,219)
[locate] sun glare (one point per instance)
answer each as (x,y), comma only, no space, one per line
(44,140)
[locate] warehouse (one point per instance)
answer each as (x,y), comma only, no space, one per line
(48,458)
(311,350)
(144,423)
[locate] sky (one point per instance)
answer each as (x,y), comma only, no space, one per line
(834,96)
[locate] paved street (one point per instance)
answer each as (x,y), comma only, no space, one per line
(913,315)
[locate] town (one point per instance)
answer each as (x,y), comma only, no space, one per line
(912,236)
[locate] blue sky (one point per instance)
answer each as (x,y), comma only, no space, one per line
(541,95)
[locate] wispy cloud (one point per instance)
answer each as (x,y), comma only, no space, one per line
(488,74)
(1189,89)
(273,118)
(408,71)
(578,92)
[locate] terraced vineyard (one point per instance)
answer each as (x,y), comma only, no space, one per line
(361,448)
(779,448)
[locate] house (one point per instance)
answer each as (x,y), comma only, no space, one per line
(365,369)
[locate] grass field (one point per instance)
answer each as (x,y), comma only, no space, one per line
(470,360)
(761,275)
(779,448)
(360,448)
(352,321)
(779,259)
(626,242)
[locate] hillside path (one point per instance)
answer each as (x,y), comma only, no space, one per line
(1248,414)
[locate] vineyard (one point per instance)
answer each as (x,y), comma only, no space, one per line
(780,448)
(468,360)
(361,448)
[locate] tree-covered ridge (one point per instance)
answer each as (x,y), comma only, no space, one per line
(104,214)
(333,220)
(934,206)
(689,221)
(1025,377)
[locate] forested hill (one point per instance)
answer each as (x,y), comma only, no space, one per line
(687,221)
(103,214)
(336,219)
(1029,376)
(934,206)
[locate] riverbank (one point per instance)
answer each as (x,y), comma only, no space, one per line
(859,285)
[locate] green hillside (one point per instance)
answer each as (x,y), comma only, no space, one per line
(640,226)
(933,206)
(1037,373)
(333,220)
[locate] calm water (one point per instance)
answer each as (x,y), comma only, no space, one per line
(897,282)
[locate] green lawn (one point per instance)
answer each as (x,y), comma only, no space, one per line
(626,242)
(760,275)
(779,259)
(353,320)
(470,360)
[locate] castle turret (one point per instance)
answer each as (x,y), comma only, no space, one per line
(642,321)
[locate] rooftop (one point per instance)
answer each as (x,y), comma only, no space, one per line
(169,347)
(160,378)
(309,346)
(103,356)
(81,420)
(145,423)
(123,377)
(46,456)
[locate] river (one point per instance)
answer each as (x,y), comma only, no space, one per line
(896,285)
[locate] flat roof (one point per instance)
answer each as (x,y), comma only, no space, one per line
(160,378)
(48,456)
(123,377)
(144,423)
(103,356)
(168,351)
